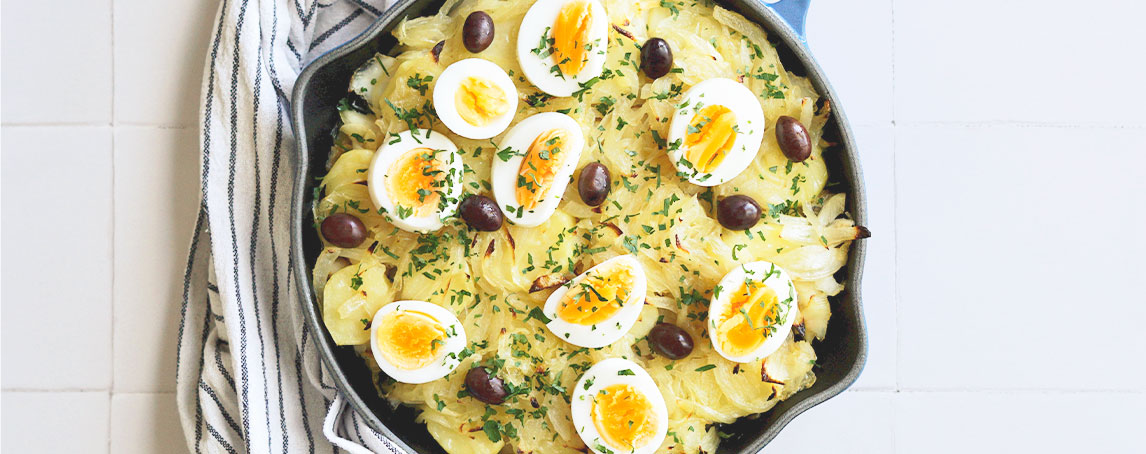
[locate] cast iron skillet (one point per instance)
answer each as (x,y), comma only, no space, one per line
(313,113)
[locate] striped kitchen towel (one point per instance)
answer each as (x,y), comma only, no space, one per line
(248,377)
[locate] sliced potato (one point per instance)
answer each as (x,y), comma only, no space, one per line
(350,299)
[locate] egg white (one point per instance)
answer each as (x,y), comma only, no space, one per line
(602,375)
(447,359)
(504,173)
(749,122)
(445,97)
(774,278)
(613,328)
(540,17)
(394,148)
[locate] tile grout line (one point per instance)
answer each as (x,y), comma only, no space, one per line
(894,217)
(891,6)
(893,431)
(55,390)
(82,390)
(110,124)
(1023,124)
(114,222)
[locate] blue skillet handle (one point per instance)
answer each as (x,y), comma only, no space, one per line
(794,12)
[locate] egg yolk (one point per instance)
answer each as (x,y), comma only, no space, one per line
(747,322)
(711,133)
(624,417)
(539,168)
(479,101)
(571,36)
(414,181)
(597,297)
(410,339)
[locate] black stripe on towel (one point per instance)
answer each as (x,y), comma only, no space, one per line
(354,422)
(256,215)
(199,226)
(223,368)
(294,50)
(298,377)
(327,407)
(334,29)
(222,409)
(199,220)
(199,419)
(368,7)
(275,165)
(243,394)
(219,439)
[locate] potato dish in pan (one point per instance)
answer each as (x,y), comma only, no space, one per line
(565,225)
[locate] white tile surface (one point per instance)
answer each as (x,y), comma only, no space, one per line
(145,423)
(160,50)
(939,423)
(57,257)
(57,62)
(857,59)
(1017,258)
(1022,60)
(876,150)
(55,422)
(156,193)
(870,434)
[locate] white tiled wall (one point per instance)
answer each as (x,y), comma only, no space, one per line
(1003,143)
(100,186)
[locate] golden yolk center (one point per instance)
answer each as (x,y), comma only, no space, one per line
(597,297)
(410,339)
(711,133)
(745,325)
(414,182)
(571,37)
(479,101)
(624,417)
(539,168)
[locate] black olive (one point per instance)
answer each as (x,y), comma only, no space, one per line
(670,341)
(485,387)
(358,103)
(437,50)
(656,58)
(738,212)
(477,33)
(793,138)
(594,183)
(481,213)
(343,230)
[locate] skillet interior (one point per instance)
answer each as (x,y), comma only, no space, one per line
(319,88)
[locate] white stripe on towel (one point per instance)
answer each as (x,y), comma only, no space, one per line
(248,379)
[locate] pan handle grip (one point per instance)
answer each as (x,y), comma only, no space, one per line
(794,13)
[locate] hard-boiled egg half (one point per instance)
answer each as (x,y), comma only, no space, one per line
(617,408)
(475,98)
(561,44)
(536,163)
(752,311)
(416,341)
(416,179)
(715,131)
(600,305)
